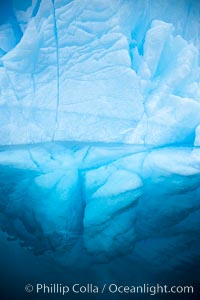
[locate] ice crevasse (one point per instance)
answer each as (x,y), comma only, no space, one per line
(100,129)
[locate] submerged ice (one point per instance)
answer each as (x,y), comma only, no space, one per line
(121,78)
(56,198)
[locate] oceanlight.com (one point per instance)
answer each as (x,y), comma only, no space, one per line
(76,288)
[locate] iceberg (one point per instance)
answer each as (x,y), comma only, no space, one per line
(100,136)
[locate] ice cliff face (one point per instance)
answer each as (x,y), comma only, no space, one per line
(110,71)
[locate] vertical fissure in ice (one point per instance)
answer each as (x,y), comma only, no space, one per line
(57,68)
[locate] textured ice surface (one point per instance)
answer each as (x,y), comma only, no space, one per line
(121,78)
(57,199)
(112,71)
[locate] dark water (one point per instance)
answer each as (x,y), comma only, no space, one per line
(19,268)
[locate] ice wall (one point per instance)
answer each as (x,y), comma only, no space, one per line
(110,71)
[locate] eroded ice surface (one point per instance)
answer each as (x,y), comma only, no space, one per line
(111,71)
